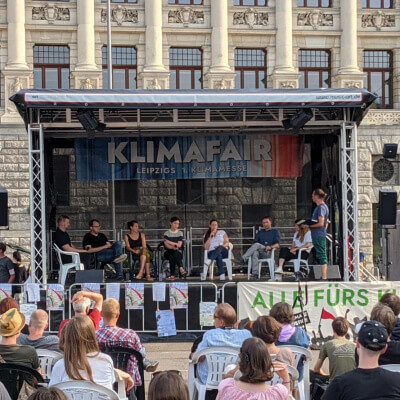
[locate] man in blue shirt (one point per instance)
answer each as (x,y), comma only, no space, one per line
(265,240)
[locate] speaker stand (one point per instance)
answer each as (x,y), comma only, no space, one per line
(388,263)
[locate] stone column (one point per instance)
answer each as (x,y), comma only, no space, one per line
(284,75)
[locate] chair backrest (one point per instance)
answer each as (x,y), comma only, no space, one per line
(230,253)
(120,357)
(13,376)
(47,359)
(299,352)
(391,367)
(59,252)
(86,390)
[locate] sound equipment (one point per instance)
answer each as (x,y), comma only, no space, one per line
(3,207)
(387,207)
(333,272)
(390,150)
(89,276)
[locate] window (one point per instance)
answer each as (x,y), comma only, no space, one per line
(251,67)
(61,179)
(190,191)
(51,67)
(314,3)
(126,193)
(379,68)
(185,66)
(124,67)
(120,1)
(376,3)
(249,2)
(197,2)
(315,69)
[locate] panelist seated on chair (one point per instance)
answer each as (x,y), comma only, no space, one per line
(62,239)
(216,242)
(135,242)
(96,242)
(265,240)
(301,240)
(173,242)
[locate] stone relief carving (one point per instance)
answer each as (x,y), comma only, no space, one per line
(154,84)
(378,20)
(186,16)
(250,17)
(50,13)
(120,15)
(222,84)
(87,84)
(287,85)
(377,117)
(353,84)
(314,18)
(13,88)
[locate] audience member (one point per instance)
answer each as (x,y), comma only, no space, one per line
(256,368)
(135,242)
(168,385)
(21,275)
(110,335)
(45,393)
(81,304)
(11,324)
(82,358)
(39,321)
(8,303)
(97,243)
(216,242)
(393,301)
(173,242)
(368,381)
(265,240)
(339,351)
(7,269)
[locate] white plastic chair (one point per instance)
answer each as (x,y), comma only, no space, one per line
(294,375)
(305,354)
(86,390)
(211,264)
(217,359)
(47,359)
(298,261)
(391,367)
(64,268)
(120,384)
(271,265)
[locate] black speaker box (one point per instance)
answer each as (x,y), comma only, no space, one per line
(333,272)
(387,207)
(89,276)
(390,150)
(3,207)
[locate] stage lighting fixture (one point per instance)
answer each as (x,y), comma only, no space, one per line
(390,150)
(90,123)
(298,120)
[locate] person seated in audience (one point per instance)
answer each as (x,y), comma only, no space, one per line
(256,370)
(135,242)
(110,335)
(82,358)
(393,301)
(173,242)
(96,242)
(81,304)
(8,303)
(216,242)
(301,240)
(168,385)
(11,324)
(44,393)
(339,351)
(224,334)
(39,321)
(368,381)
(264,242)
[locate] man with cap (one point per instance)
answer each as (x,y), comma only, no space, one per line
(11,324)
(368,381)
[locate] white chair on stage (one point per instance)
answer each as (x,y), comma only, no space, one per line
(208,264)
(47,359)
(65,268)
(271,265)
(217,358)
(86,390)
(297,262)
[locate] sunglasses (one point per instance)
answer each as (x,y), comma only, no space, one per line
(174,371)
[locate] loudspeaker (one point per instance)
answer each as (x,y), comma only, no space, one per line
(3,207)
(390,150)
(333,272)
(89,276)
(387,207)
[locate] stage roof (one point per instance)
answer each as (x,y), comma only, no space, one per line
(190,112)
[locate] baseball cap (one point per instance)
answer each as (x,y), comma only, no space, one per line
(373,335)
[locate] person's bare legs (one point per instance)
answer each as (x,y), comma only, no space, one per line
(324,271)
(147,267)
(142,260)
(281,262)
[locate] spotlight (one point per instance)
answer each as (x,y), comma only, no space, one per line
(298,120)
(90,123)
(390,150)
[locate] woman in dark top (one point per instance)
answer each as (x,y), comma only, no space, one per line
(21,272)
(135,242)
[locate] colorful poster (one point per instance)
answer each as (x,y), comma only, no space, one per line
(134,296)
(178,295)
(5,290)
(55,297)
(165,323)
(206,310)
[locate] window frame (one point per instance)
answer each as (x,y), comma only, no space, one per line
(312,6)
(133,194)
(321,70)
(191,68)
(368,5)
(191,3)
(251,5)
(256,69)
(66,182)
(188,196)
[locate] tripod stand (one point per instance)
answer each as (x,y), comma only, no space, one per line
(299,298)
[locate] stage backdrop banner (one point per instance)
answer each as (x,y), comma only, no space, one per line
(276,156)
(323,302)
